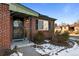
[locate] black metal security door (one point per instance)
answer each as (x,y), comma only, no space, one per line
(18,28)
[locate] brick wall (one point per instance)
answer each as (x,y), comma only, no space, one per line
(33,24)
(47,33)
(27,27)
(33,27)
(5,26)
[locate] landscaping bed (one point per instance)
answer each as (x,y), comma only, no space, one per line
(58,43)
(51,50)
(48,49)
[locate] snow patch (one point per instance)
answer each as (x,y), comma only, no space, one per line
(51,50)
(17,54)
(48,49)
(74,51)
(73,38)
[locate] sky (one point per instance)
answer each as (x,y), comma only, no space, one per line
(64,12)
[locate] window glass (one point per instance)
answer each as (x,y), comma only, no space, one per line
(40,24)
(43,25)
(17,23)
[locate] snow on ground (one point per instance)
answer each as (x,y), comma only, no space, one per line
(73,38)
(74,51)
(21,44)
(52,50)
(17,54)
(30,44)
(48,49)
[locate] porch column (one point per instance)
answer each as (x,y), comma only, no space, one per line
(5,26)
(27,27)
(33,27)
(51,28)
(30,27)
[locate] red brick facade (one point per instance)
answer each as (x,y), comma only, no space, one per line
(27,26)
(32,23)
(5,28)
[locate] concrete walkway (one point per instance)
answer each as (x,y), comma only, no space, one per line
(23,47)
(29,51)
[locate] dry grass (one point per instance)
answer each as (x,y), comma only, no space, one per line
(61,39)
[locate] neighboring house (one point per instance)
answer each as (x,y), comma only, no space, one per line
(58,29)
(62,28)
(65,28)
(76,27)
(72,29)
(18,21)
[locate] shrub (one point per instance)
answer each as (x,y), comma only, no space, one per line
(65,36)
(38,37)
(60,38)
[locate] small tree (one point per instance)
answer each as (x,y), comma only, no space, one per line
(38,37)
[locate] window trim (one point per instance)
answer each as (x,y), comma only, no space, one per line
(43,29)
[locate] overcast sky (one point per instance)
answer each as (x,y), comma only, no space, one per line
(64,12)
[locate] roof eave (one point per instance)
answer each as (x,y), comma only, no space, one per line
(48,18)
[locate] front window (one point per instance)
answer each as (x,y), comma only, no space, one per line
(42,25)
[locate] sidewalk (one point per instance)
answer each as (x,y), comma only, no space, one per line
(29,51)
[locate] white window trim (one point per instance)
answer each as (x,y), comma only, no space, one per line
(45,25)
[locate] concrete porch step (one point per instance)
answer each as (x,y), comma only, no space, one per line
(20,43)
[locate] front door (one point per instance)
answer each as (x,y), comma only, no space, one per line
(18,28)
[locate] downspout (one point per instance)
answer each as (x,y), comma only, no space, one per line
(53,27)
